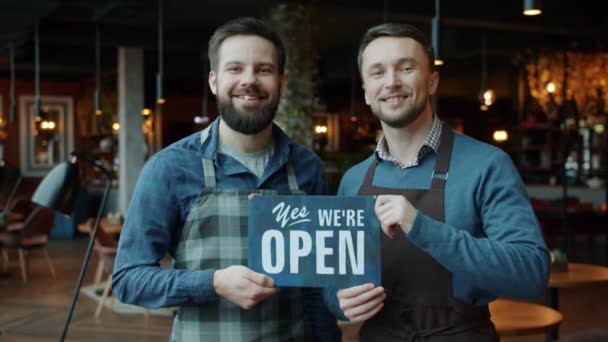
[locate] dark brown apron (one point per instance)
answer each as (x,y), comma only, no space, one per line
(419,305)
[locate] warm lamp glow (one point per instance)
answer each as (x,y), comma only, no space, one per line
(532,12)
(146,112)
(160,101)
(488,97)
(116,126)
(500,136)
(598,128)
(550,87)
(483,107)
(439,62)
(47,125)
(98,111)
(320,129)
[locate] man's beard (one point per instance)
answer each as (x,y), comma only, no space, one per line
(403,118)
(244,121)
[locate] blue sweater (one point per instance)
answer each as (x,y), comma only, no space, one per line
(491,241)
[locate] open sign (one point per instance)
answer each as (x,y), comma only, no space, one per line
(315,241)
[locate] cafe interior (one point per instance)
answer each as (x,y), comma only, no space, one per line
(111,82)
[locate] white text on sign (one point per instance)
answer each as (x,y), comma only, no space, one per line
(300,241)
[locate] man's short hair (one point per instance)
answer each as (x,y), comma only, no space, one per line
(396,30)
(244,26)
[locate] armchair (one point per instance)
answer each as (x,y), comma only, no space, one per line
(33,233)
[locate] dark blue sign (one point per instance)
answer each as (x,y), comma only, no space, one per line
(315,241)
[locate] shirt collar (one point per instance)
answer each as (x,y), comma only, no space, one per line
(209,143)
(430,143)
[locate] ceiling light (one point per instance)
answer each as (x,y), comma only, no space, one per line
(97,96)
(500,136)
(160,99)
(532,7)
(435,33)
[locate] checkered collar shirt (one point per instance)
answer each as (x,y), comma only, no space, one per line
(430,143)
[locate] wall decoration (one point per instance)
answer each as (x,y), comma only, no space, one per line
(48,138)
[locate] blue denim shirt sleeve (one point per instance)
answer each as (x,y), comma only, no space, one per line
(146,237)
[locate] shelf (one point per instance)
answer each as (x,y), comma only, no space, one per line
(539,169)
(537,127)
(543,147)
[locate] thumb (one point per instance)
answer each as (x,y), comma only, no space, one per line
(261,279)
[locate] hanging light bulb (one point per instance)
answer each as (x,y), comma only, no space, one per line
(37,103)
(435,34)
(203,118)
(13,106)
(159,76)
(550,87)
(532,7)
(354,117)
(205,104)
(500,136)
(97,95)
(487,95)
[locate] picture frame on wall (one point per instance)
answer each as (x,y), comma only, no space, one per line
(47,138)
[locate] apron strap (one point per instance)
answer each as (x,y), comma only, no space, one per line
(442,163)
(369,175)
(291,178)
(209,171)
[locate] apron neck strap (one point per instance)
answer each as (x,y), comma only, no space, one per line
(209,172)
(291,178)
(444,154)
(369,175)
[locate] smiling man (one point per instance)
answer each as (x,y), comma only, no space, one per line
(459,228)
(191,202)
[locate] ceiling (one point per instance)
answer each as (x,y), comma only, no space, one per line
(67,32)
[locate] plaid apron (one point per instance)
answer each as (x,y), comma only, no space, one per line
(214,237)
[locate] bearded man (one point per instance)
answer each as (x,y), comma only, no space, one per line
(191,202)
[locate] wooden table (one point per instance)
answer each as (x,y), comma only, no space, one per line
(107,226)
(511,318)
(577,275)
(515,318)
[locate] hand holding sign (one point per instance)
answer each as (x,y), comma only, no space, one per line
(360,303)
(242,286)
(395,212)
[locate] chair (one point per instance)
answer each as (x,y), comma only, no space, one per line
(105,246)
(33,233)
(10,179)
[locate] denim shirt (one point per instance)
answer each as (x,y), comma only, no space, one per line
(167,186)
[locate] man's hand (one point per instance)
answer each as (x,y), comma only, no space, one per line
(242,286)
(360,303)
(395,212)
